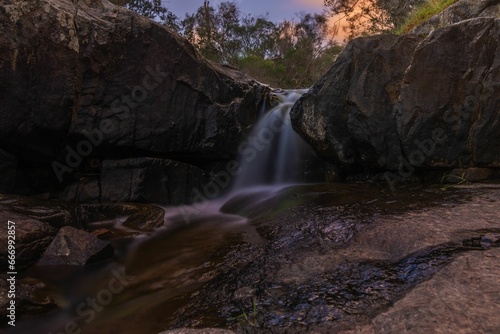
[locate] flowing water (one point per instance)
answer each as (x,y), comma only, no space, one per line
(272,153)
(271,257)
(177,258)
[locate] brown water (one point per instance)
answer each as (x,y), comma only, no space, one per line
(296,242)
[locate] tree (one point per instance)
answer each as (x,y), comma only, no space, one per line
(152,9)
(370,16)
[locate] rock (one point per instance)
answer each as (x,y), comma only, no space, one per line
(8,166)
(37,222)
(72,247)
(460,11)
(32,237)
(84,83)
(54,213)
(149,180)
(86,190)
(147,219)
(198,331)
(102,233)
(461,175)
(409,103)
(347,116)
(31,300)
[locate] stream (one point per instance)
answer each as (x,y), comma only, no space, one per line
(273,255)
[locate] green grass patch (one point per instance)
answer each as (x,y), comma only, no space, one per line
(422,13)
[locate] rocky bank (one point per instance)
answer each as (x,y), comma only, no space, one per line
(412,103)
(91,91)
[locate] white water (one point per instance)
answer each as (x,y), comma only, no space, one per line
(271,154)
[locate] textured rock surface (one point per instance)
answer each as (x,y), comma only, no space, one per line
(460,11)
(83,81)
(399,103)
(31,300)
(73,247)
(149,181)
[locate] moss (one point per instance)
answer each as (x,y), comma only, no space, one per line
(422,13)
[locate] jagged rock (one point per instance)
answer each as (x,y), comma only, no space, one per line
(460,11)
(150,181)
(75,247)
(86,81)
(411,102)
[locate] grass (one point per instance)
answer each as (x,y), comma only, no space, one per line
(422,13)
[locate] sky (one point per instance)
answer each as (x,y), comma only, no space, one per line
(277,10)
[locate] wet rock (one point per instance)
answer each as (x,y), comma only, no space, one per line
(72,247)
(82,83)
(54,213)
(460,11)
(149,180)
(32,238)
(31,299)
(147,219)
(336,261)
(461,175)
(373,110)
(102,233)
(198,331)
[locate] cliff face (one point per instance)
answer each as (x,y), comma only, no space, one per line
(412,102)
(87,81)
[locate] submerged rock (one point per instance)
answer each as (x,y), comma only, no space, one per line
(409,103)
(72,247)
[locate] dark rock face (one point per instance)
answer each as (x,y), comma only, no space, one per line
(8,166)
(88,81)
(149,180)
(403,103)
(73,247)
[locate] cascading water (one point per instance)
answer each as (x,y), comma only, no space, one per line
(175,259)
(271,154)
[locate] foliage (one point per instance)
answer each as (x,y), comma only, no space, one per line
(289,54)
(422,13)
(370,16)
(152,9)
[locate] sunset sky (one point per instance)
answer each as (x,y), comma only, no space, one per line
(277,9)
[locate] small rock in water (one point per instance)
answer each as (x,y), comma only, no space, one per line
(76,248)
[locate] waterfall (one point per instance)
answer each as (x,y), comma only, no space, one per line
(272,152)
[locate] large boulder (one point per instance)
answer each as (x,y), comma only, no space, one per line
(412,102)
(83,81)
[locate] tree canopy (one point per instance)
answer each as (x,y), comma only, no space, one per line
(366,17)
(288,54)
